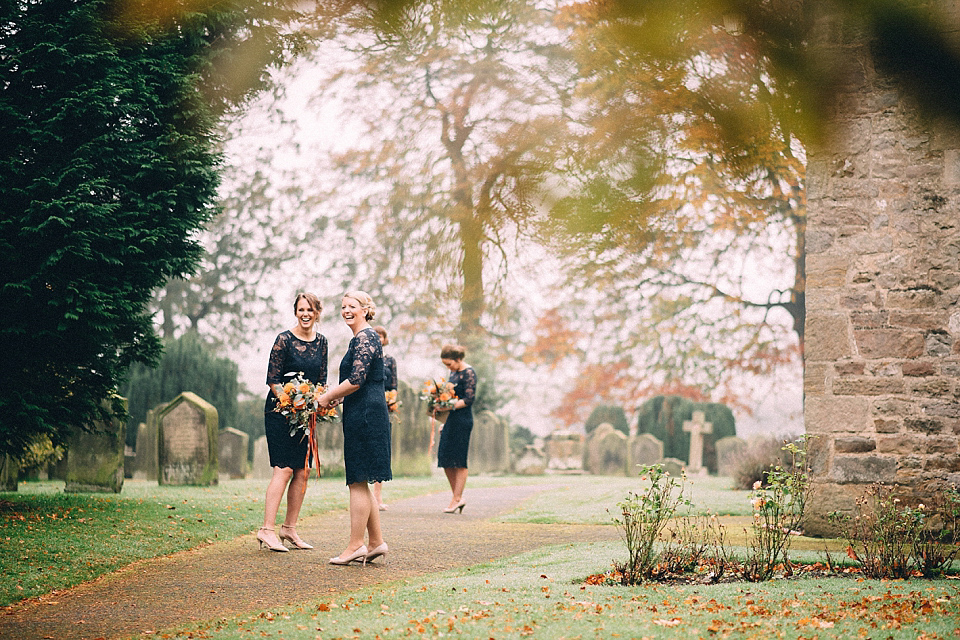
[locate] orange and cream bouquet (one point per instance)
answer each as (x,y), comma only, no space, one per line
(439,395)
(296,401)
(393,403)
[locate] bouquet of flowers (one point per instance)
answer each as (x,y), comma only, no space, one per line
(295,402)
(439,395)
(393,403)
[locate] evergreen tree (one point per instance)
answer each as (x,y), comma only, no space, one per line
(107,171)
(610,414)
(187,364)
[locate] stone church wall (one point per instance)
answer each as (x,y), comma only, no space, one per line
(882,333)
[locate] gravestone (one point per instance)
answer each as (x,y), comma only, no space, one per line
(607,453)
(532,462)
(489,444)
(9,470)
(697,427)
(564,450)
(187,441)
(232,453)
(410,434)
(146,463)
(95,459)
(673,466)
(729,452)
(261,459)
(129,462)
(329,448)
(645,449)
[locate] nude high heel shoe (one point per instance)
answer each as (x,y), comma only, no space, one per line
(292,537)
(360,555)
(459,507)
(378,552)
(262,539)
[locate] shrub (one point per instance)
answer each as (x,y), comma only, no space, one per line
(610,414)
(663,418)
(890,539)
(777,512)
(643,517)
(761,456)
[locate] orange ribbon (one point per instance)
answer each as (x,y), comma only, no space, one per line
(312,448)
(433,427)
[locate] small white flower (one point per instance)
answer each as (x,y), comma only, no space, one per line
(757,485)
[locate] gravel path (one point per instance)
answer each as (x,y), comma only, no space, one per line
(232,577)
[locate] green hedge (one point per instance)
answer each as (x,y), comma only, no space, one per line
(663,418)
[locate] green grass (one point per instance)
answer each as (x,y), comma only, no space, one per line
(541,595)
(52,540)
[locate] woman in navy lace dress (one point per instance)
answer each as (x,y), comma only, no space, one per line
(389,384)
(299,350)
(455,436)
(366,428)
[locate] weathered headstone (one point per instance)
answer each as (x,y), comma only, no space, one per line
(261,459)
(330,448)
(606,452)
(147,464)
(697,427)
(9,470)
(673,466)
(489,444)
(564,450)
(232,453)
(532,462)
(187,441)
(645,449)
(410,434)
(95,459)
(729,452)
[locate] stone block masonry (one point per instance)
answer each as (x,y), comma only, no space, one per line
(882,334)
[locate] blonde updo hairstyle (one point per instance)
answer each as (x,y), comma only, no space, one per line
(366,302)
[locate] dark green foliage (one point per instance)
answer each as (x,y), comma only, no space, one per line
(186,365)
(107,169)
(250,420)
(663,418)
(520,437)
(609,413)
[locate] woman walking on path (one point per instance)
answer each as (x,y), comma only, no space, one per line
(298,350)
(389,384)
(366,427)
(455,435)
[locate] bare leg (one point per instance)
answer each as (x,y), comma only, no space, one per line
(377,495)
(364,518)
(295,496)
(457,477)
(276,487)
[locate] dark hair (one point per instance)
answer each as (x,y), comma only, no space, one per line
(383,335)
(452,352)
(311,299)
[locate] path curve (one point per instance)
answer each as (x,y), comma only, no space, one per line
(231,577)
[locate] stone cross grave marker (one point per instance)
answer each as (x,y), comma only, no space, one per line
(697,427)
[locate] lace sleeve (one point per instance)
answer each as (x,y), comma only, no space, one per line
(322,378)
(366,349)
(278,357)
(469,386)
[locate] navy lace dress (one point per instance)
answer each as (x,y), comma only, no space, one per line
(455,436)
(389,373)
(290,354)
(366,423)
